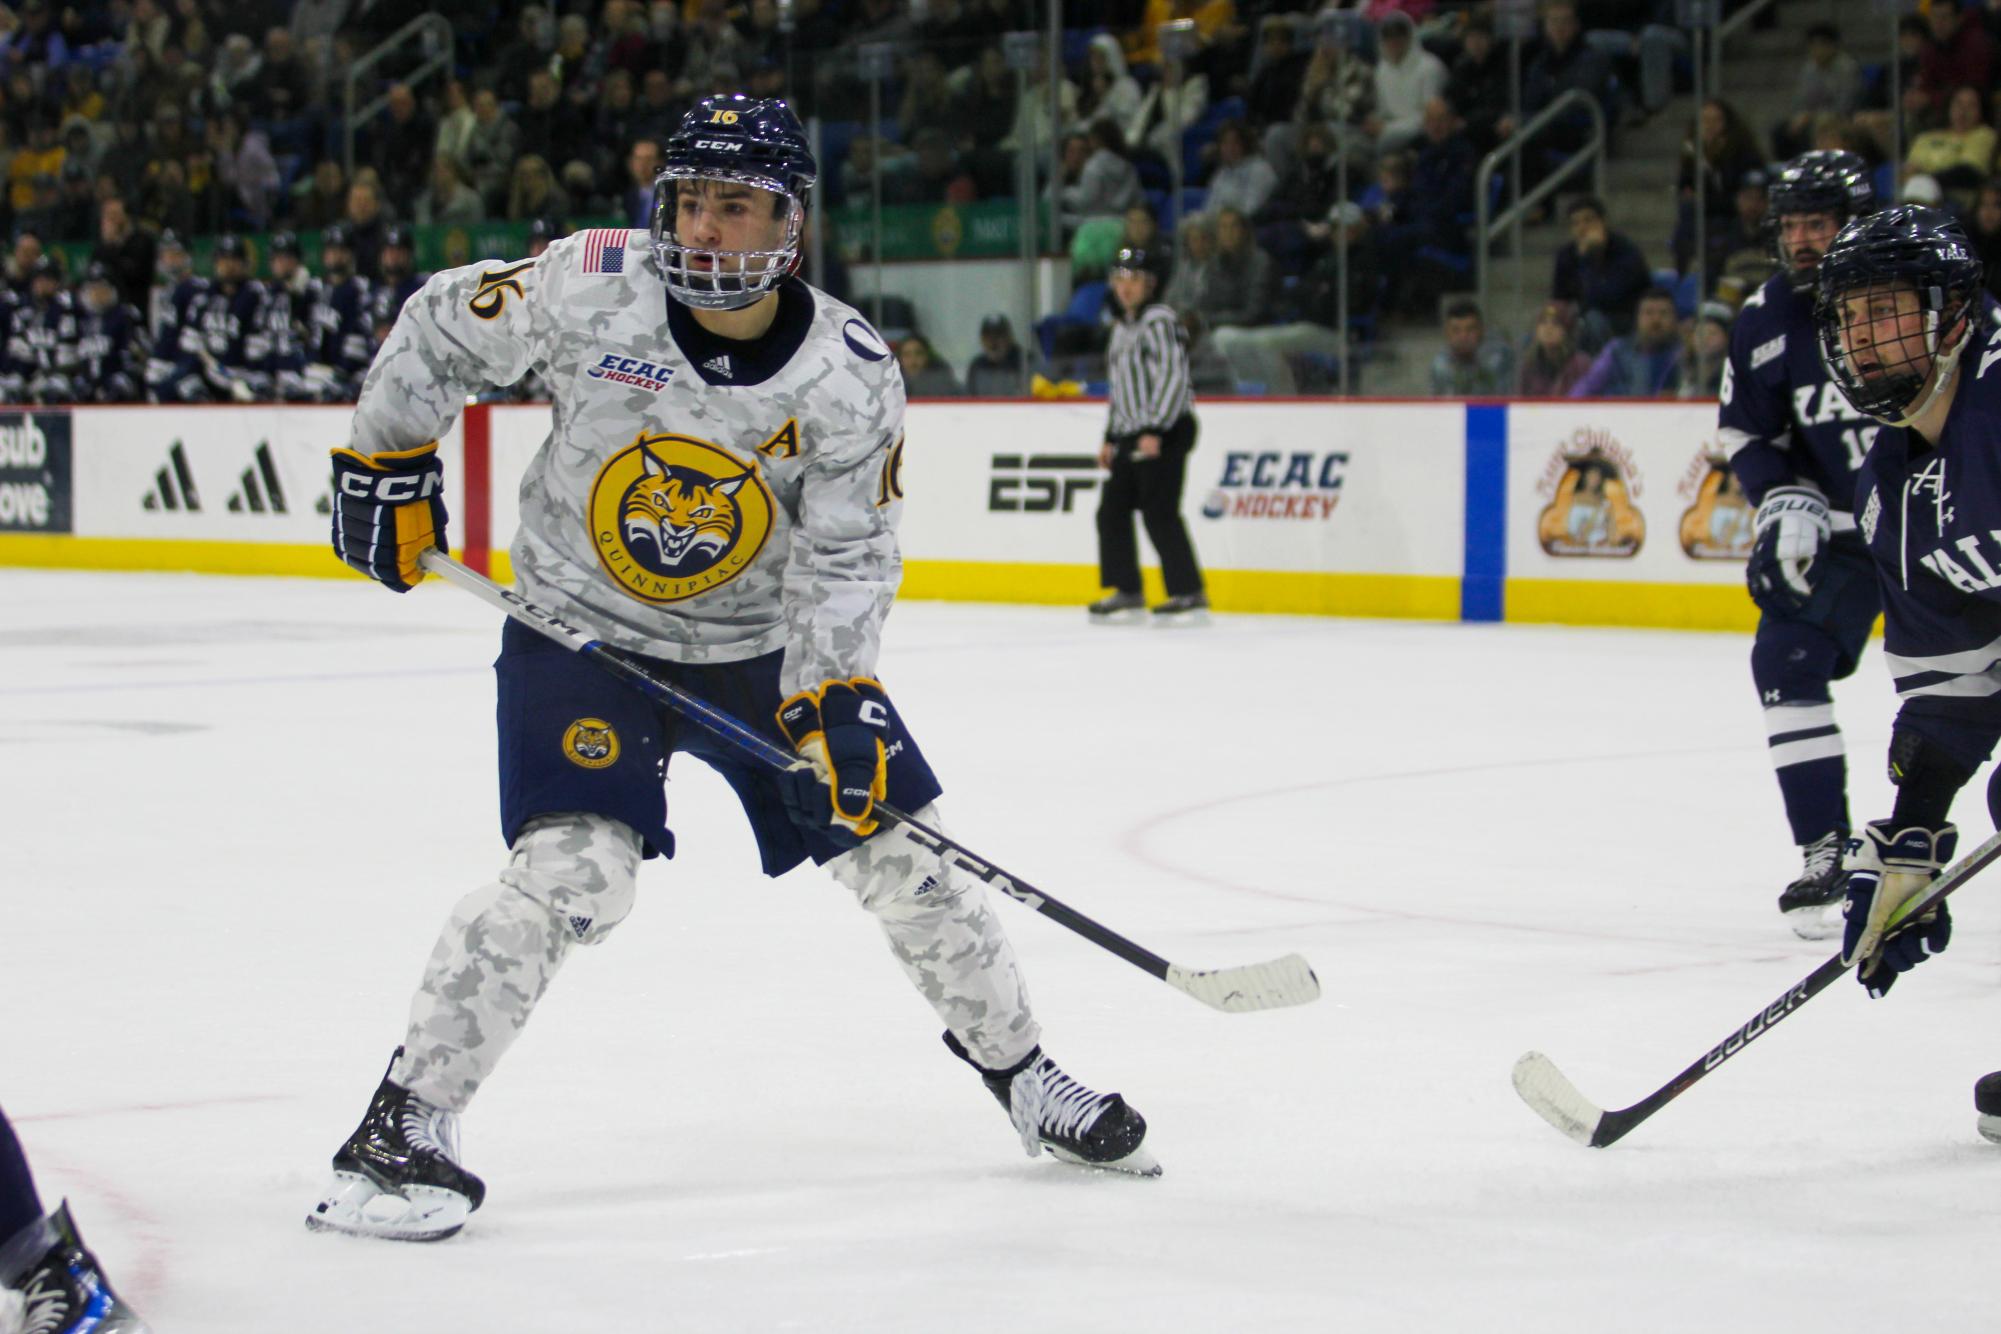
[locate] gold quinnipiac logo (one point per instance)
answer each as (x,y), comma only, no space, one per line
(591,743)
(1592,483)
(672,516)
(1718,523)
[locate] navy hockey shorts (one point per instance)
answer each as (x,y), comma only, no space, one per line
(574,738)
(1794,656)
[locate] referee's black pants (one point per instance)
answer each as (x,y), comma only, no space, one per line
(1153,487)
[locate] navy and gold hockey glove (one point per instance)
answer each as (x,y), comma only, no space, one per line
(389,509)
(838,730)
(1890,869)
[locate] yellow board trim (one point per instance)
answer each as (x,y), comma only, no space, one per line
(294,560)
(1426,597)
(1657,606)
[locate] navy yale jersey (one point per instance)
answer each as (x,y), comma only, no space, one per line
(1780,418)
(1932,519)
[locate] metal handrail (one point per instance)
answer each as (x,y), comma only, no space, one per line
(430,27)
(1486,227)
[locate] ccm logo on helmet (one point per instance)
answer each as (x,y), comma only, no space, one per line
(720,145)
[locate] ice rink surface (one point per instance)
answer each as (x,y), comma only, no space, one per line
(238,810)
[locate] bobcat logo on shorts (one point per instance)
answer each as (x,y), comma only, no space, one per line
(591,744)
(672,516)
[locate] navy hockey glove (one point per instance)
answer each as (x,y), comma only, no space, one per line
(838,731)
(389,509)
(1791,528)
(1889,869)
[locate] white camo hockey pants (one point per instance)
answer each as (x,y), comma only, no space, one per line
(572,879)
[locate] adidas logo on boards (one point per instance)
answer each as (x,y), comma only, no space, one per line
(260,491)
(720,365)
(174,485)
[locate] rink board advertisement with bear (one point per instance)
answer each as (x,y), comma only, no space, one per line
(1617,513)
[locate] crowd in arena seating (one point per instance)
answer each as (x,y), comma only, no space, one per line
(1325,156)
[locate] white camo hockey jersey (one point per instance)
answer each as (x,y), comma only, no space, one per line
(698,499)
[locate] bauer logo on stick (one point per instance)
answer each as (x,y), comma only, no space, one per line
(672,516)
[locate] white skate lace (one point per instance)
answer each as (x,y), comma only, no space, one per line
(44,1308)
(433,1128)
(1042,1102)
(1822,855)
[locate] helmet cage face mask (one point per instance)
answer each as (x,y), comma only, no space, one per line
(1834,183)
(722,279)
(1913,253)
(1897,375)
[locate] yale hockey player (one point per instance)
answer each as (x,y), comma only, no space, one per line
(111,345)
(1905,330)
(1794,444)
(50,1283)
(720,496)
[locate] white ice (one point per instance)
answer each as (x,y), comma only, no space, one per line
(238,810)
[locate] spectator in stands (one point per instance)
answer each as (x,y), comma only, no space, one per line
(1094,179)
(1241,280)
(1306,190)
(126,252)
(164,202)
(365,225)
(1407,76)
(1830,83)
(1478,84)
(1741,255)
(550,128)
(924,376)
(1729,149)
(935,175)
(1647,40)
(1708,350)
(642,167)
(999,370)
(1032,124)
(1471,365)
(245,169)
(1243,179)
(234,79)
(42,156)
(491,148)
(534,40)
(1194,267)
(1278,74)
(1554,363)
(1959,155)
(402,143)
(320,198)
(1109,92)
(984,108)
(278,93)
(1961,54)
(1983,229)
(76,204)
(1167,109)
(450,199)
(1338,90)
(1269,355)
(1600,271)
(1646,363)
(125,157)
(1564,62)
(455,123)
(533,193)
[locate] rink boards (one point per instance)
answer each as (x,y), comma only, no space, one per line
(1585,513)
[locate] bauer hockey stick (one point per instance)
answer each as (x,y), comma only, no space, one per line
(1257,986)
(1556,1100)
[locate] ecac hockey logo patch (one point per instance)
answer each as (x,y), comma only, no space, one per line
(672,516)
(591,744)
(612,368)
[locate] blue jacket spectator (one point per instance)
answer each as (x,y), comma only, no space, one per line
(1645,364)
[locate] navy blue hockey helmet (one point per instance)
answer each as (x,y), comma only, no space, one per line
(335,236)
(733,140)
(284,243)
(396,237)
(1826,181)
(1892,288)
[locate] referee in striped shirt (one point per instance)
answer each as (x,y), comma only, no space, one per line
(1147,443)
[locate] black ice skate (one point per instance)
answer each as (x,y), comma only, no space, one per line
(1114,608)
(1188,609)
(398,1175)
(1987,1102)
(55,1286)
(1051,1110)
(1812,903)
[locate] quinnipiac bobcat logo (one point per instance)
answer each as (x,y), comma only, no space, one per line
(591,744)
(1591,481)
(672,516)
(1718,523)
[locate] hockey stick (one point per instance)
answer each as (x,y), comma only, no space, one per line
(1556,1100)
(1257,986)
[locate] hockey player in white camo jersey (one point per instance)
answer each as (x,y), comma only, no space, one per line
(719,494)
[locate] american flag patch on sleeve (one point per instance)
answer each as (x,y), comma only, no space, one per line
(604,250)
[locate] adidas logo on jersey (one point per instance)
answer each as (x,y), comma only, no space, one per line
(719,366)
(260,491)
(174,485)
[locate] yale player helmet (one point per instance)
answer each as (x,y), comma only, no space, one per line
(740,140)
(1905,249)
(1830,181)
